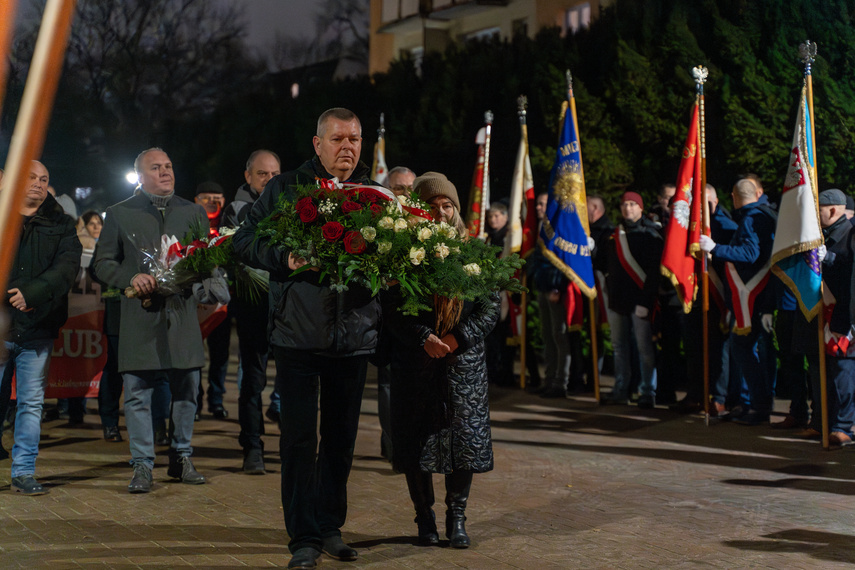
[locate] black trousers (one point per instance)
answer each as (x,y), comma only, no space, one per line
(253,348)
(314,483)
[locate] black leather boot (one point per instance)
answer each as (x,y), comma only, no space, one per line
(457,485)
(420,485)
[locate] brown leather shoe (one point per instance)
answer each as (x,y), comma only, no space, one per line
(839,438)
(809,433)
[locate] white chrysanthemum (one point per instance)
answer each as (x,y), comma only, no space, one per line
(441,250)
(400,225)
(386,223)
(425,234)
(417,255)
(369,233)
(384,246)
(472,269)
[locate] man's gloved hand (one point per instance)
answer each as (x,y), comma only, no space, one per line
(641,311)
(821,252)
(591,243)
(214,289)
(707,244)
(766,321)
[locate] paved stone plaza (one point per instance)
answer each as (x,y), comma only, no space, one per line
(575,486)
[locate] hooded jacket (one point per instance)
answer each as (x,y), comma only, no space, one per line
(46,265)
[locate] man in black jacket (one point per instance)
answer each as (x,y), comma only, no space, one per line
(46,264)
(634,253)
(253,346)
(321,339)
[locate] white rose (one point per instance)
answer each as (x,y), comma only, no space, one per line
(384,246)
(441,250)
(369,233)
(417,255)
(472,269)
(425,234)
(386,223)
(400,225)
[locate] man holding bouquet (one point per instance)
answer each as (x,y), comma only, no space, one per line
(321,339)
(160,340)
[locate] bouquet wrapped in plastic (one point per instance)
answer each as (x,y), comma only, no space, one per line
(362,235)
(204,267)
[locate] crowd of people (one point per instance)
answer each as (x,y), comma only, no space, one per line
(433,369)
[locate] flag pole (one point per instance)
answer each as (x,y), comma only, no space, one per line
(7,24)
(522,101)
(592,321)
(807,51)
(485,184)
(700,74)
(32,122)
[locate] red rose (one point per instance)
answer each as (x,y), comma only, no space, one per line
(303,202)
(332,231)
(308,214)
(354,242)
(349,206)
(376,209)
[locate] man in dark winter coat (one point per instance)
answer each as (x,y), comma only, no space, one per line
(746,269)
(46,264)
(321,339)
(162,340)
(253,345)
(634,253)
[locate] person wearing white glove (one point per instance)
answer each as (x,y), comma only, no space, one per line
(633,257)
(707,244)
(746,258)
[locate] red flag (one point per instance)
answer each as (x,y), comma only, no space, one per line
(684,230)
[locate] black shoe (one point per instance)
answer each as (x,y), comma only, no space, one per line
(28,485)
(426,522)
(613,399)
(111,433)
(334,547)
(554,392)
(180,467)
(253,462)
(646,402)
(141,481)
(304,558)
(161,438)
(273,416)
(219,412)
(686,406)
(752,418)
(734,414)
(455,530)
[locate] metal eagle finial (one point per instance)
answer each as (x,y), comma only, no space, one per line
(807,53)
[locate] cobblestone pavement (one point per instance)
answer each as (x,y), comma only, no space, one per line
(575,486)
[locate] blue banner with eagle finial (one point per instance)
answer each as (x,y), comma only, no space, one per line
(564,232)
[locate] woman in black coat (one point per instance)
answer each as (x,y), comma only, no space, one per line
(439,400)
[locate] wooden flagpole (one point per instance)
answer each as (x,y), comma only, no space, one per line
(700,74)
(807,51)
(522,101)
(31,126)
(571,108)
(7,24)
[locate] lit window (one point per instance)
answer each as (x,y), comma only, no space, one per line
(577,17)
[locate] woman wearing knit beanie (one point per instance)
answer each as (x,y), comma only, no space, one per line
(439,407)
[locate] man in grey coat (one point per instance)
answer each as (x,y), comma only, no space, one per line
(162,341)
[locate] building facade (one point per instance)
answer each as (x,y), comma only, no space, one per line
(413,27)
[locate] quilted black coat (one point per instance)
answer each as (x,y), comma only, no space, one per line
(439,407)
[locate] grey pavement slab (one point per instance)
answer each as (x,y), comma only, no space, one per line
(575,486)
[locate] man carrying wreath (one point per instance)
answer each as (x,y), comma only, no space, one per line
(321,339)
